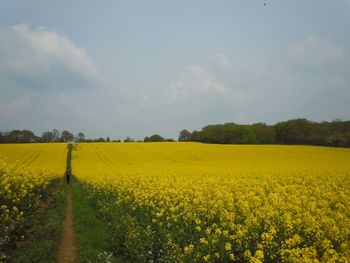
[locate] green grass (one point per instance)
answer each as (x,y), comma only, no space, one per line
(43,231)
(94,236)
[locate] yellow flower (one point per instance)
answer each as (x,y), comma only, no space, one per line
(218,231)
(203,241)
(259,254)
(188,249)
(228,246)
(208,231)
(231,256)
(206,258)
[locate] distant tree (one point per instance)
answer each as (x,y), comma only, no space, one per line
(18,136)
(1,137)
(101,139)
(264,134)
(296,131)
(37,138)
(337,139)
(225,133)
(128,139)
(242,134)
(47,136)
(154,138)
(108,139)
(195,136)
(28,136)
(80,137)
(15,136)
(56,137)
(185,136)
(66,136)
(6,137)
(211,134)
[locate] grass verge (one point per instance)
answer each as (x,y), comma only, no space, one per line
(43,231)
(93,235)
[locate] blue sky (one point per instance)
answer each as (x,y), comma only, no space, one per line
(136,68)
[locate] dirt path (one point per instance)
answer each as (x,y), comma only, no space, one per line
(67,252)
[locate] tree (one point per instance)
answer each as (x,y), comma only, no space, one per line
(185,136)
(337,139)
(67,136)
(264,134)
(15,136)
(195,136)
(296,131)
(154,138)
(80,137)
(47,136)
(128,139)
(56,135)
(28,136)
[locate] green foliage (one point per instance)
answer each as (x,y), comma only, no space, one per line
(67,136)
(298,131)
(18,136)
(264,134)
(185,136)
(94,237)
(128,139)
(226,133)
(154,138)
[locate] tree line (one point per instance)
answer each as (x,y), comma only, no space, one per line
(296,131)
(27,136)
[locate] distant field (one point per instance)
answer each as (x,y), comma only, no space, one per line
(48,156)
(211,158)
(191,202)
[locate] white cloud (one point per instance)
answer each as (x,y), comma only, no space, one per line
(41,58)
(195,80)
(221,61)
(314,51)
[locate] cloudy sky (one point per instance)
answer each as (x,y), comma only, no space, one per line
(135,68)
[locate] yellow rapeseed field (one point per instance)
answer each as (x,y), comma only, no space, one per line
(191,202)
(46,156)
(25,172)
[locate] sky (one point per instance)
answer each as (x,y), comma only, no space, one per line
(136,68)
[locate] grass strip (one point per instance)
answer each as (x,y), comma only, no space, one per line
(43,231)
(94,236)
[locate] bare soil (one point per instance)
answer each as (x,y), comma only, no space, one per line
(68,249)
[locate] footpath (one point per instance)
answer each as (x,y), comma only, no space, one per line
(67,252)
